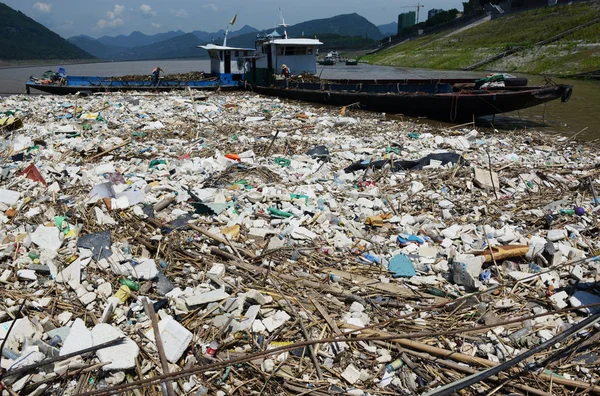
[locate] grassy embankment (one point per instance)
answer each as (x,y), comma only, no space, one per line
(573,54)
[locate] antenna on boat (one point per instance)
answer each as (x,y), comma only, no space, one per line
(283,24)
(227,30)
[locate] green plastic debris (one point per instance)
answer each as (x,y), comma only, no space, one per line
(282,161)
(130,284)
(299,196)
(413,135)
(280,213)
(395,150)
(62,224)
(34,255)
(155,162)
(242,182)
(87,127)
(100,118)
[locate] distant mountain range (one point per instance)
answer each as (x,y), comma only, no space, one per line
(23,38)
(389,29)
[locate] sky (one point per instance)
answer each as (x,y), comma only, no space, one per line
(97,18)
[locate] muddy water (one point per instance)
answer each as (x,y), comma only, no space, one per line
(582,112)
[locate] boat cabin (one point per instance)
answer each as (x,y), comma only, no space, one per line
(227,60)
(299,54)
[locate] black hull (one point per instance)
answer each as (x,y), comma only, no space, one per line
(68,89)
(454,107)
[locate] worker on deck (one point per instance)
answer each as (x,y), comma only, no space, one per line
(285,71)
(156,75)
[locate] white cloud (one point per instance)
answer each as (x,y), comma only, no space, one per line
(114,18)
(181,13)
(210,6)
(116,12)
(43,7)
(147,10)
(156,25)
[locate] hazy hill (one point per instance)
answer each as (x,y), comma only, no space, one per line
(347,25)
(389,29)
(137,39)
(342,25)
(23,38)
(349,31)
(183,46)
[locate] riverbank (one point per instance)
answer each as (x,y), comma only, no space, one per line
(273,238)
(573,54)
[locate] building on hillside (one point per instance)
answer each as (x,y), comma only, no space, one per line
(433,12)
(405,20)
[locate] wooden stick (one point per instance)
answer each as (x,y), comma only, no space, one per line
(217,238)
(159,345)
(125,143)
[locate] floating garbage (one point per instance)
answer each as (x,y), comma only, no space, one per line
(280,248)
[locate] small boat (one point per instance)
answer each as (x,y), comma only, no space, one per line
(227,68)
(93,84)
(328,61)
(351,62)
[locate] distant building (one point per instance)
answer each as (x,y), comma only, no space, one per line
(406,20)
(433,12)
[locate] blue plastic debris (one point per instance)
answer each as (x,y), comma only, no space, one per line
(485,275)
(405,239)
(402,267)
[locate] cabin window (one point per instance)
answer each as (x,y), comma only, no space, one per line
(220,54)
(237,53)
(309,51)
(280,50)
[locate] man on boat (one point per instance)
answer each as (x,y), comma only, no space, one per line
(155,75)
(285,71)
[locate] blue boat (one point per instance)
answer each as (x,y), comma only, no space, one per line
(90,84)
(227,68)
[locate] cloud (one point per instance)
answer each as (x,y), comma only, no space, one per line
(114,18)
(156,25)
(210,6)
(147,10)
(181,13)
(43,7)
(116,12)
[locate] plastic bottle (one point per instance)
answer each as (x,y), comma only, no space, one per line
(393,366)
(10,354)
(321,204)
(125,248)
(517,335)
(211,351)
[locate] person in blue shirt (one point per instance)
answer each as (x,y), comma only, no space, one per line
(155,75)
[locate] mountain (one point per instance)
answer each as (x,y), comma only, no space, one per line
(96,48)
(183,46)
(347,25)
(342,25)
(137,39)
(22,38)
(207,37)
(389,29)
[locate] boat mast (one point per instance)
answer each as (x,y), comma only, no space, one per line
(283,24)
(227,30)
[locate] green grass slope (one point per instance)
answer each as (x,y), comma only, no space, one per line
(576,53)
(23,38)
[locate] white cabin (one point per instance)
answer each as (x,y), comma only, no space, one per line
(228,60)
(299,54)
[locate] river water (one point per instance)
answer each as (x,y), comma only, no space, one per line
(581,113)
